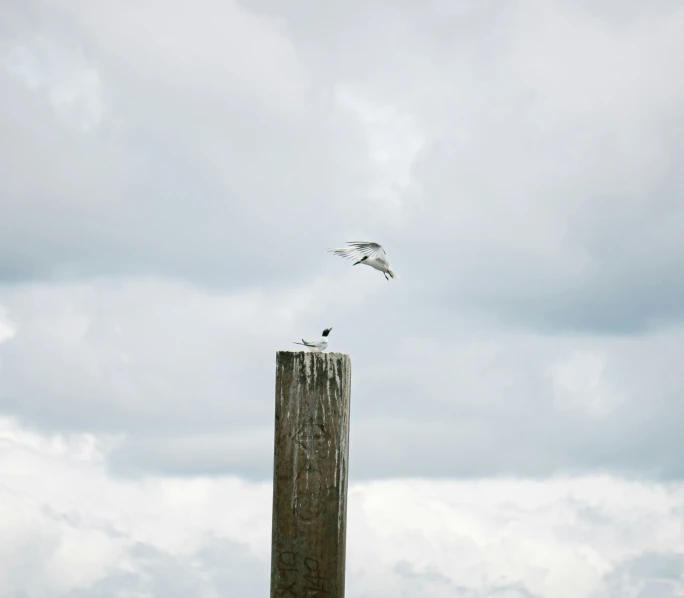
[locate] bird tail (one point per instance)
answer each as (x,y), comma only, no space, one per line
(303,343)
(392,273)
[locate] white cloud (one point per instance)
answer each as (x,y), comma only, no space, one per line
(69,527)
(67,524)
(558,537)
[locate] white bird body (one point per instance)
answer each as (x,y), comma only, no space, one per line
(376,263)
(319,345)
(368,253)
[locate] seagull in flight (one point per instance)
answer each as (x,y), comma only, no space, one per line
(319,345)
(368,253)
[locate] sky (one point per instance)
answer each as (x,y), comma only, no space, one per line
(171,175)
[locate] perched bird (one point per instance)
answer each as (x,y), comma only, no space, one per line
(319,345)
(368,253)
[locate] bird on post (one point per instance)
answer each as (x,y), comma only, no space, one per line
(368,253)
(319,345)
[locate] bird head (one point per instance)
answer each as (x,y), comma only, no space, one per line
(326,332)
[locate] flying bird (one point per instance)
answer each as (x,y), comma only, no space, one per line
(368,253)
(319,345)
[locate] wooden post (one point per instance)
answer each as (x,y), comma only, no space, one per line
(311,452)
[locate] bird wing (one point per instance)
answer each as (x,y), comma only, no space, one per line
(361,249)
(305,343)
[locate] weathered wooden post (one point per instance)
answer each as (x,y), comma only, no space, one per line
(310,474)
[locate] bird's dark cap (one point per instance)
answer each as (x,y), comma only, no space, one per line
(326,332)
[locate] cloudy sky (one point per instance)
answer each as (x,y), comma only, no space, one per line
(171,174)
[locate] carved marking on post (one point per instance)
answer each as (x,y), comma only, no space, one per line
(287,561)
(308,579)
(287,589)
(307,504)
(313,439)
(313,577)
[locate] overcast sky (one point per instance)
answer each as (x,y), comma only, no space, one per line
(171,175)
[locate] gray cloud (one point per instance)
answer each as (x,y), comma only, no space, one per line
(170,177)
(186,386)
(536,176)
(206,185)
(649,574)
(167,201)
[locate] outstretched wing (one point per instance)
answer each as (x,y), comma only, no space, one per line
(305,343)
(360,249)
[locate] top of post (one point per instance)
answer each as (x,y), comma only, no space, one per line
(310,364)
(309,358)
(312,357)
(336,354)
